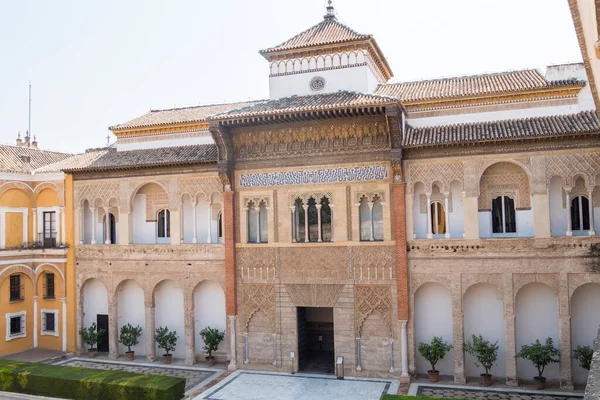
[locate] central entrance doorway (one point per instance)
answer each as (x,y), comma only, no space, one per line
(315,340)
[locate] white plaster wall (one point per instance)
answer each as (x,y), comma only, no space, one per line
(131,310)
(524,224)
(143,232)
(202,220)
(597,219)
(206,138)
(558,214)
(484,315)
(419,220)
(87,225)
(536,317)
(569,71)
(188,221)
(485,224)
(457,216)
(585,320)
(209,310)
(433,317)
(95,301)
(169,311)
(356,79)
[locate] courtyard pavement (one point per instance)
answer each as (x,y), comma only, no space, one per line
(247,385)
(36,355)
(471,392)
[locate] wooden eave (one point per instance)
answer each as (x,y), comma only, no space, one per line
(169,127)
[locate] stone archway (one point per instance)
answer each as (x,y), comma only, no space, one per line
(209,310)
(170,312)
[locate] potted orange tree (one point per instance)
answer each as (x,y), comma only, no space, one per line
(166,340)
(486,354)
(540,356)
(92,336)
(434,352)
(211,337)
(130,336)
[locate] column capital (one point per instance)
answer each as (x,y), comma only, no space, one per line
(293,208)
(318,206)
(305,206)
(63,300)
(35,298)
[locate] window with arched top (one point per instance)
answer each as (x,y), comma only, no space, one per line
(312,220)
(503,215)
(580,213)
(438,218)
(371,219)
(258,229)
(110,231)
(163,224)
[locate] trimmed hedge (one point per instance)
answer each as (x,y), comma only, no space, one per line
(399,397)
(86,383)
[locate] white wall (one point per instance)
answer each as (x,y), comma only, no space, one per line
(569,71)
(457,216)
(433,317)
(87,224)
(131,310)
(206,138)
(483,303)
(524,224)
(585,320)
(536,312)
(95,301)
(209,310)
(169,311)
(558,214)
(419,220)
(143,232)
(202,220)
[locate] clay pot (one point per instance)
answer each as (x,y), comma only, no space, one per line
(540,383)
(92,353)
(486,380)
(130,355)
(210,361)
(167,358)
(434,376)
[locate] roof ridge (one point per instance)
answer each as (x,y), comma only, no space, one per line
(36,149)
(201,106)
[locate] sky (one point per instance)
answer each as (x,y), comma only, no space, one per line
(93,64)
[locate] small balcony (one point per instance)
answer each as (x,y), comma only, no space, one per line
(47,240)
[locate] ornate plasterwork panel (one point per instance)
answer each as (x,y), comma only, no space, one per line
(372,299)
(374,257)
(370,196)
(259,297)
(204,186)
(260,257)
(314,295)
(319,263)
(568,167)
(444,174)
(504,179)
(256,201)
(102,190)
(305,196)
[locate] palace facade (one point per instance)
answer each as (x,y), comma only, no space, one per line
(346,216)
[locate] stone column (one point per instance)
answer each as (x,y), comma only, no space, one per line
(108,239)
(63,300)
(232,366)
(447,214)
(195,221)
(63,227)
(150,328)
(81,224)
(230,272)
(564,333)
(358,367)
(188,320)
(79,343)
(371,236)
(319,206)
(181,233)
(569,221)
(404,348)
(274,349)
(592,230)
(36,234)
(510,345)
(294,230)
(429,228)
(392,370)
(540,198)
(305,206)
(113,331)
(209,238)
(257,210)
(35,321)
(93,209)
(458,332)
(331,222)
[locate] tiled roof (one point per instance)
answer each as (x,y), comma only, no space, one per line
(557,125)
(75,161)
(328,31)
(470,85)
(180,115)
(110,159)
(26,159)
(314,102)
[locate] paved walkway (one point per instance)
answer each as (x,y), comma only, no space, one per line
(35,355)
(491,394)
(247,385)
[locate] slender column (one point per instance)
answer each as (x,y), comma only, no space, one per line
(188,321)
(294,227)
(320,239)
(392,356)
(305,206)
(446,196)
(63,227)
(371,237)
(181,232)
(358,367)
(274,349)
(257,209)
(93,209)
(592,230)
(209,239)
(564,333)
(569,221)
(195,230)
(246,356)
(35,321)
(113,334)
(81,224)
(404,348)
(107,238)
(36,234)
(458,331)
(429,229)
(232,366)
(331,220)
(63,300)
(510,346)
(150,327)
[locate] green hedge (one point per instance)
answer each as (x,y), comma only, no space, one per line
(85,383)
(399,397)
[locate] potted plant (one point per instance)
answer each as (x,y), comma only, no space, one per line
(166,340)
(92,336)
(486,354)
(130,336)
(434,352)
(584,354)
(540,356)
(211,338)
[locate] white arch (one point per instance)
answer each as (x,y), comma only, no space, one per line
(209,310)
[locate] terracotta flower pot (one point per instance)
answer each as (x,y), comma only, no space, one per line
(434,376)
(130,355)
(210,361)
(167,358)
(540,383)
(92,353)
(486,380)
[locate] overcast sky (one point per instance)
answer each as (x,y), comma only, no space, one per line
(93,64)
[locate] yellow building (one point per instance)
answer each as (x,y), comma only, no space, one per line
(35,277)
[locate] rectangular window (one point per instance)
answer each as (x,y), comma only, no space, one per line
(15,288)
(49,322)
(49,286)
(15,325)
(49,229)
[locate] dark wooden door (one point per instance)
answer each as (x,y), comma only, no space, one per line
(102,322)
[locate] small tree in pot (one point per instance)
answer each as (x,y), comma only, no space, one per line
(211,337)
(434,352)
(540,356)
(166,340)
(584,355)
(130,336)
(92,336)
(486,354)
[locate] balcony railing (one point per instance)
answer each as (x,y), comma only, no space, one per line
(47,240)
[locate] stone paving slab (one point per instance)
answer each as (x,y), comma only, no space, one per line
(476,394)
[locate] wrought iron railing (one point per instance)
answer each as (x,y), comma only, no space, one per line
(48,239)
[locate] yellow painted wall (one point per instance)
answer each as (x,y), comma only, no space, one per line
(70,270)
(13,230)
(50,342)
(15,198)
(47,198)
(21,344)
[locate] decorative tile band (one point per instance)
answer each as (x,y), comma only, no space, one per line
(332,175)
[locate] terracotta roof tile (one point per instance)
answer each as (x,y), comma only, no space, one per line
(557,125)
(314,102)
(470,85)
(75,161)
(27,159)
(180,115)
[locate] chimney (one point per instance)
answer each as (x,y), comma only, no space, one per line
(19,141)
(34,143)
(26,143)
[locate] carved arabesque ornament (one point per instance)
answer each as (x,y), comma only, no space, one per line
(372,299)
(92,192)
(568,167)
(259,297)
(205,186)
(430,173)
(305,196)
(314,295)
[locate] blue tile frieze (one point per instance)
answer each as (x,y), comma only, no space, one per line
(320,176)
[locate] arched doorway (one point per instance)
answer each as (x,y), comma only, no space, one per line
(95,308)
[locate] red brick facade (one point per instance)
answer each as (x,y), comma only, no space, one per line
(229,238)
(399,226)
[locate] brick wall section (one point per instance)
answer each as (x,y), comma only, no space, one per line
(229,237)
(399,213)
